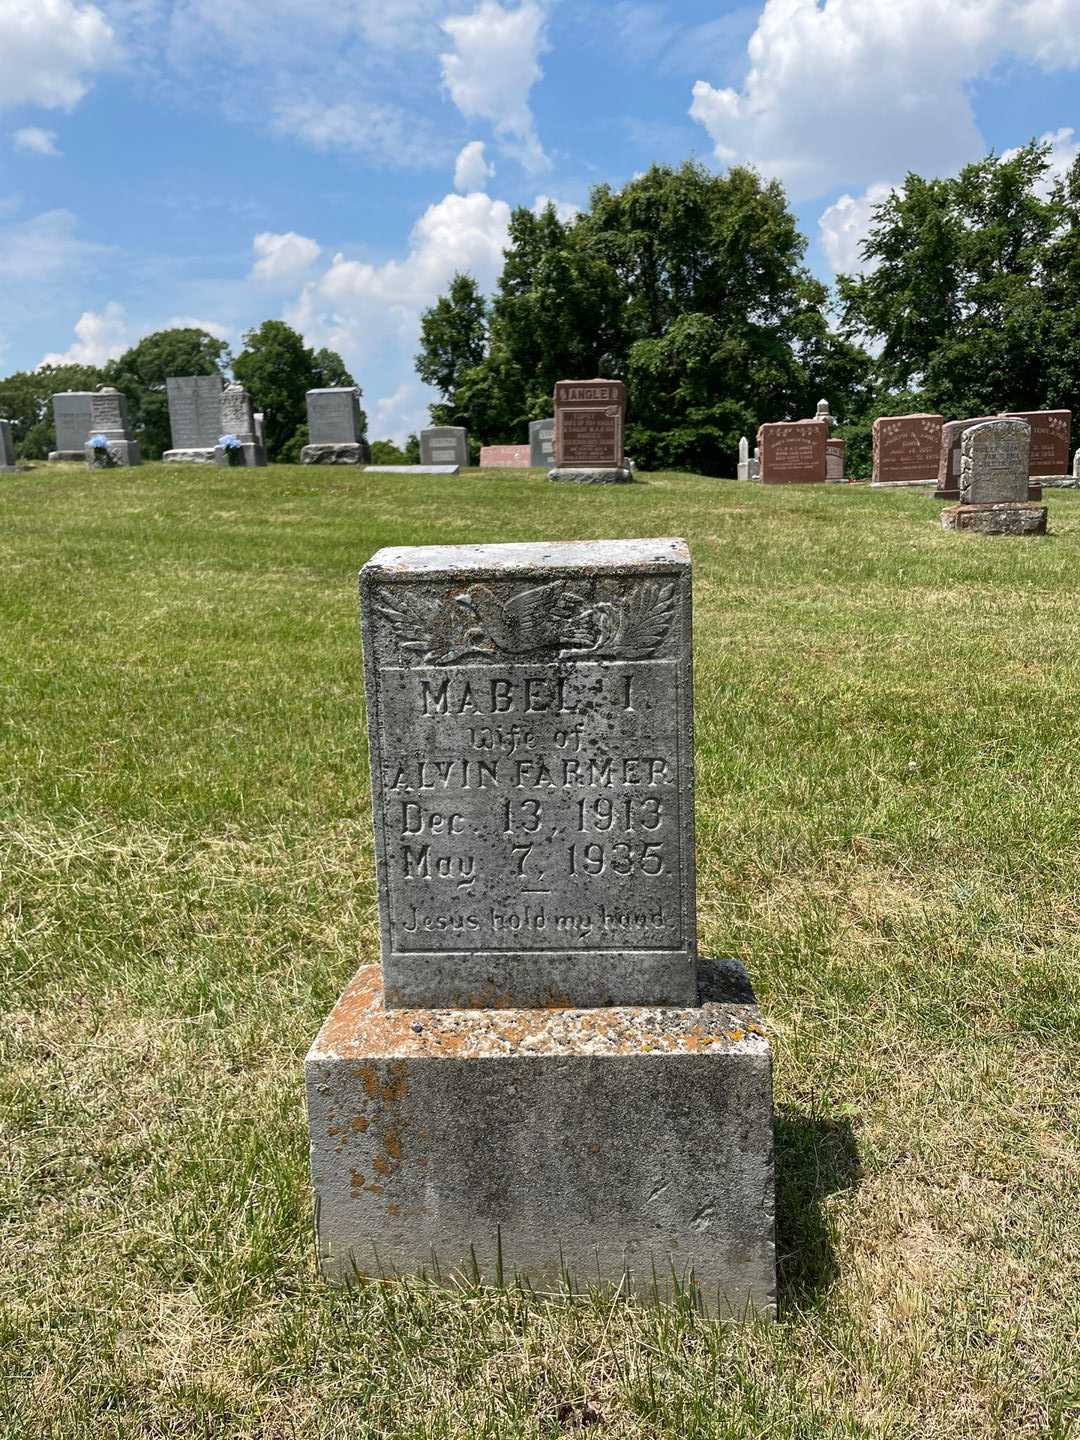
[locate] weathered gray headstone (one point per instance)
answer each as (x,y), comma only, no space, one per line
(590,420)
(335,428)
(834,461)
(109,421)
(194,418)
(755,465)
(7,447)
(743,470)
(413,469)
(444,445)
(258,420)
(530,735)
(994,470)
(71,416)
(238,419)
(542,443)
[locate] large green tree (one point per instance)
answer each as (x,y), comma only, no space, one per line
(966,284)
(279,369)
(142,371)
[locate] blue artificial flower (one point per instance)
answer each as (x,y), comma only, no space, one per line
(99,442)
(229,442)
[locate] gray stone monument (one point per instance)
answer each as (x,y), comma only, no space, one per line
(335,428)
(994,469)
(238,420)
(743,471)
(259,421)
(110,442)
(755,465)
(542,443)
(71,417)
(194,418)
(7,446)
(541,1078)
(444,445)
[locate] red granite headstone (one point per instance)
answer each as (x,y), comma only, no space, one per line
(589,416)
(1051,433)
(504,457)
(793,452)
(907,448)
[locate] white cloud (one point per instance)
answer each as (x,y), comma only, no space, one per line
(1064,148)
(43,247)
(36,140)
(383,132)
(283,257)
(192,322)
(868,90)
(494,64)
(564,209)
(846,224)
(49,49)
(99,336)
(371,313)
(472,171)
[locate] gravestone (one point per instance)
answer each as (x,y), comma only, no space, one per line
(444,445)
(743,470)
(589,422)
(259,421)
(907,449)
(71,417)
(994,470)
(238,420)
(755,465)
(948,480)
(335,427)
(542,443)
(412,469)
(109,419)
(7,446)
(540,1079)
(793,452)
(823,413)
(194,418)
(834,461)
(504,457)
(1051,434)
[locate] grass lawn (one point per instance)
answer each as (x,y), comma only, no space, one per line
(888,810)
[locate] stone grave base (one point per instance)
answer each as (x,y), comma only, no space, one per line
(903,484)
(345,453)
(1034,492)
(189,457)
(592,475)
(67,455)
(1060,482)
(121,452)
(414,469)
(1008,518)
(253,454)
(625,1146)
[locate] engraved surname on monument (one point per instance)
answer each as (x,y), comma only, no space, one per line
(533,804)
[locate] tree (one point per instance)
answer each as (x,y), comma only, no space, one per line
(142,371)
(956,297)
(26,400)
(453,334)
(278,369)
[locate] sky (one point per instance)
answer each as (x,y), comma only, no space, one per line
(334,162)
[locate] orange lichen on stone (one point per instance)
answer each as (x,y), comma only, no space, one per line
(359,1123)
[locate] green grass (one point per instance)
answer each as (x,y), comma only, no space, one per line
(888,746)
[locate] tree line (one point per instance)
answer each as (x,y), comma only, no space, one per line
(692,287)
(275,366)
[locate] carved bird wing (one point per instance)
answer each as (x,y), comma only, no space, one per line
(539,616)
(646,619)
(410,616)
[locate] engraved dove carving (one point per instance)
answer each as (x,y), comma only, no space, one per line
(542,618)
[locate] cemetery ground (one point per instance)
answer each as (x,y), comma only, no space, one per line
(888,773)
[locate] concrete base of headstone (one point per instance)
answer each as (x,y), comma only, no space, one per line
(121,453)
(1008,518)
(414,469)
(344,453)
(1034,491)
(592,475)
(67,456)
(616,1147)
(1060,482)
(904,484)
(189,457)
(252,455)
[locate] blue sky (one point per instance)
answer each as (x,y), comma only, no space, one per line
(333,162)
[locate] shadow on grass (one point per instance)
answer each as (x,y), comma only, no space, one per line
(816,1156)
